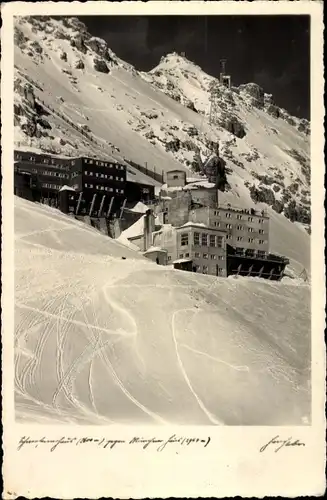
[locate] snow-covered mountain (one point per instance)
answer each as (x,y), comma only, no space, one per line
(94,344)
(71,88)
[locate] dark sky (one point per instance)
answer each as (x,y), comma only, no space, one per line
(273,51)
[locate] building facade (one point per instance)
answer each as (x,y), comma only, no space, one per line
(246,230)
(204,247)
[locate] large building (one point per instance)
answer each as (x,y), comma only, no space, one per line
(193,223)
(101,186)
(246,230)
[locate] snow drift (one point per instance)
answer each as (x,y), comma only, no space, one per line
(103,335)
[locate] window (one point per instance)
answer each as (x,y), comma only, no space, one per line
(240,228)
(205,256)
(261,231)
(250,229)
(181,255)
(212,240)
(261,242)
(228,216)
(239,217)
(250,219)
(261,253)
(187,255)
(228,237)
(216,213)
(196,238)
(169,257)
(122,178)
(205,270)
(102,176)
(213,257)
(86,185)
(184,239)
(175,177)
(219,241)
(204,239)
(229,226)
(261,221)
(217,224)
(239,238)
(197,255)
(251,240)
(96,174)
(91,162)
(220,257)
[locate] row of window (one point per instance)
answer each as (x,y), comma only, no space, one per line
(103,176)
(206,240)
(104,164)
(250,240)
(228,215)
(55,174)
(239,227)
(103,188)
(48,161)
(48,185)
(207,256)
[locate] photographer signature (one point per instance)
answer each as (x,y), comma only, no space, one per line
(278,443)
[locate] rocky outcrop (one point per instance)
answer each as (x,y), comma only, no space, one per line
(233,125)
(100,47)
(273,110)
(189,104)
(262,195)
(173,145)
(304,126)
(20,39)
(79,43)
(255,92)
(79,64)
(100,65)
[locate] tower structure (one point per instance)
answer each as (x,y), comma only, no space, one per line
(215,92)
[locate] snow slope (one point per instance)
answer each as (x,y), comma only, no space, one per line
(100,339)
(159,119)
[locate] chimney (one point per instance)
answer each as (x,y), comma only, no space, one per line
(148,229)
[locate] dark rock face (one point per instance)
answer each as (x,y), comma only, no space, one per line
(44,123)
(233,125)
(304,126)
(273,110)
(189,146)
(63,56)
(79,64)
(190,105)
(19,38)
(78,42)
(256,92)
(37,47)
(61,35)
(100,65)
(262,195)
(173,145)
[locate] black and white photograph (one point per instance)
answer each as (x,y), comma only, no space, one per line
(162,220)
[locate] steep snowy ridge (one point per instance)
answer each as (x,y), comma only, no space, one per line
(160,120)
(100,339)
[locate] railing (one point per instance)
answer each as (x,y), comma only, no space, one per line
(159,177)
